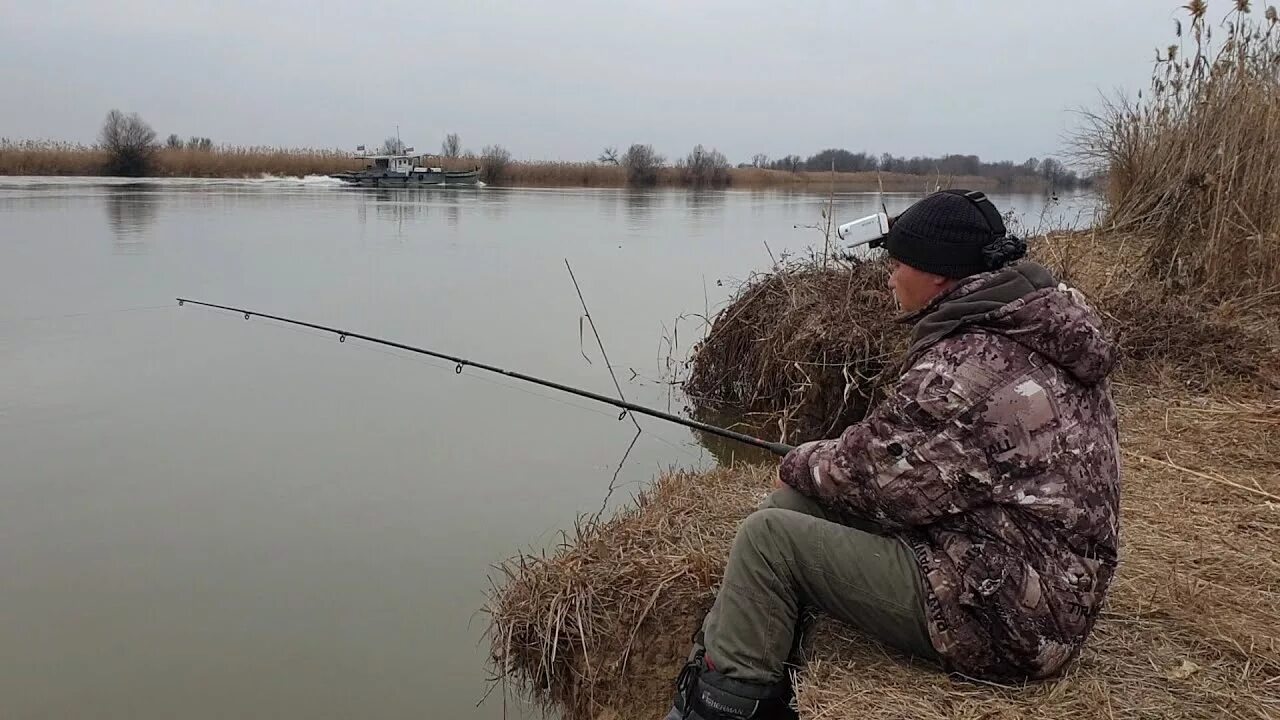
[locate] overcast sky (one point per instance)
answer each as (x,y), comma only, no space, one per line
(560,80)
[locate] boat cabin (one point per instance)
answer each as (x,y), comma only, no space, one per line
(393,163)
(404,169)
(397,164)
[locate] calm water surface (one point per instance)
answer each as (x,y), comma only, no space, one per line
(203,517)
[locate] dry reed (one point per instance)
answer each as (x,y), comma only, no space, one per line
(800,352)
(44,157)
(1164,334)
(55,158)
(1192,626)
(599,627)
(1195,165)
(606,618)
(251,162)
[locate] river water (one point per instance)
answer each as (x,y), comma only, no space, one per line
(203,517)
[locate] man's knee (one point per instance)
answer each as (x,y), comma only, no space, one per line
(786,498)
(762,560)
(768,531)
(761,523)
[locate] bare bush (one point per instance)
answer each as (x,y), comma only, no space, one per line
(494,160)
(703,168)
(452,146)
(130,144)
(608,156)
(642,163)
(173,142)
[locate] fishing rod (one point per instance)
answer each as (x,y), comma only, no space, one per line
(460,363)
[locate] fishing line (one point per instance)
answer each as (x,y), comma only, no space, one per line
(437,365)
(98,313)
(461,363)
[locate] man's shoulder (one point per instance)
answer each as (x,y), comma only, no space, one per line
(973,358)
(958,372)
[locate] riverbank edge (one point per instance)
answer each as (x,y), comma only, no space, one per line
(598,626)
(185,163)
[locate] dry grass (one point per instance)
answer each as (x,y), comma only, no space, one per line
(38,157)
(599,628)
(251,162)
(565,174)
(605,620)
(1192,626)
(1166,335)
(1196,166)
(802,351)
(54,158)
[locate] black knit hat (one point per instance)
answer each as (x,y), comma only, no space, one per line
(954,233)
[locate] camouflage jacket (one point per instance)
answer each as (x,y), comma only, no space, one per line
(996,458)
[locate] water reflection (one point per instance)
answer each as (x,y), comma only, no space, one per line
(131,211)
(607,204)
(640,206)
(729,452)
(494,204)
(452,213)
(399,206)
(704,204)
(352,470)
(393,207)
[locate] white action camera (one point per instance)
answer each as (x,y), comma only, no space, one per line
(865,231)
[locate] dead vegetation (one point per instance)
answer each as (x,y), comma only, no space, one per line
(1192,625)
(605,620)
(1184,269)
(54,158)
(802,352)
(600,626)
(34,157)
(1195,165)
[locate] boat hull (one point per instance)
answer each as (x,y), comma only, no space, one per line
(461,177)
(411,180)
(414,180)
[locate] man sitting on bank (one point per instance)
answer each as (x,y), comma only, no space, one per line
(972,518)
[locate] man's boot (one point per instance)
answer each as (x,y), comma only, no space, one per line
(703,694)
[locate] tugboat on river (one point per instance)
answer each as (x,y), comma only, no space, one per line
(403,170)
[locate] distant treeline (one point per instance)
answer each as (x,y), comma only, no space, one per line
(1004,172)
(128,146)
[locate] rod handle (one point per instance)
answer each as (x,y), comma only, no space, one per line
(780,449)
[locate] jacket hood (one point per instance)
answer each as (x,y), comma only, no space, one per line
(1026,304)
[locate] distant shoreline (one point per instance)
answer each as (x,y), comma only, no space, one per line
(52,161)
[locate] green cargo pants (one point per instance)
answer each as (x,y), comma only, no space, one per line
(789,555)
